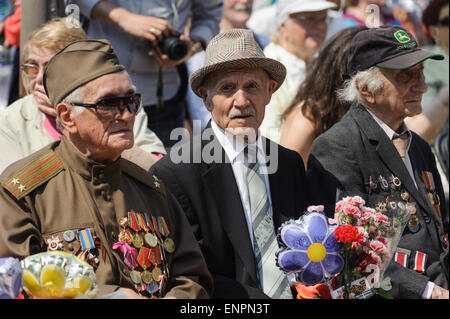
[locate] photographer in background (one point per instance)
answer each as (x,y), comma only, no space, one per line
(136,30)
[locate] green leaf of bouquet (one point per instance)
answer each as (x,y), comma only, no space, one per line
(383,293)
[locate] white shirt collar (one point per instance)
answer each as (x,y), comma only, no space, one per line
(234,146)
(389,131)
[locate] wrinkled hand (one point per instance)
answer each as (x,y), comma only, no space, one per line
(439,293)
(164,60)
(146,27)
(43,103)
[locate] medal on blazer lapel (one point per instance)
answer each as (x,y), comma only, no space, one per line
(431,192)
(395,182)
(413,222)
(381,207)
(371,186)
(384,183)
(405,196)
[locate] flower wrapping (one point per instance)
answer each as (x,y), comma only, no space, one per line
(351,251)
(369,238)
(10,278)
(57,274)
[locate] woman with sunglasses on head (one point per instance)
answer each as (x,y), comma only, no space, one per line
(30,123)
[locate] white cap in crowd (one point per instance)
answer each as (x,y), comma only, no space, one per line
(288,7)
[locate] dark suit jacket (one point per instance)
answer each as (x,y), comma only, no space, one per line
(355,149)
(210,198)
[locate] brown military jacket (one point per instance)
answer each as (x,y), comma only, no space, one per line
(57,192)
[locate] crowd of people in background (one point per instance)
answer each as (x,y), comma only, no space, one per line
(167,81)
(308,48)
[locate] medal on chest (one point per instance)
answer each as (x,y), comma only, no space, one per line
(413,222)
(144,241)
(430,188)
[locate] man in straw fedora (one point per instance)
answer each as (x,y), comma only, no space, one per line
(235,186)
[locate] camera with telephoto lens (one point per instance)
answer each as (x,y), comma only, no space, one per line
(173,47)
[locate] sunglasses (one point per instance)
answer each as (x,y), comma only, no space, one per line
(30,69)
(311,21)
(443,22)
(108,107)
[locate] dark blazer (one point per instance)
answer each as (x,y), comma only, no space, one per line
(210,198)
(355,149)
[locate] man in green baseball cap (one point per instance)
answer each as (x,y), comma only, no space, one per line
(372,153)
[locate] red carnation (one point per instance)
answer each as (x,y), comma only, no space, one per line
(362,261)
(348,234)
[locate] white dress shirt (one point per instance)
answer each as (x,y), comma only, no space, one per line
(234,148)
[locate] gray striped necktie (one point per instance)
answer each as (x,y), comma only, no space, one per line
(271,279)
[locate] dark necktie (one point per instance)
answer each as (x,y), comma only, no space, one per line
(400,142)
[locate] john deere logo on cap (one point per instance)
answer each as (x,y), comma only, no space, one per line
(402,36)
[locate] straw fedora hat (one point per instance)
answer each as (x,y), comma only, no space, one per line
(236,48)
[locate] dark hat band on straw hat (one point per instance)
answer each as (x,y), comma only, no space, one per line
(77,64)
(234,49)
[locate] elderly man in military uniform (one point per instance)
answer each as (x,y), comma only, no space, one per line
(371,152)
(80,196)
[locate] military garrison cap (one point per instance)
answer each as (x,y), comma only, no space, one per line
(77,64)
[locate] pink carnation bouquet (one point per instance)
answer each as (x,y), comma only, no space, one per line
(369,239)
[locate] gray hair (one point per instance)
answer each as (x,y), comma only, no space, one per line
(76,96)
(369,79)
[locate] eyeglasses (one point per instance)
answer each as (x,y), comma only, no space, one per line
(30,69)
(443,22)
(108,107)
(305,20)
